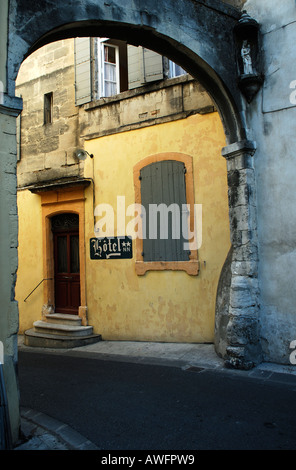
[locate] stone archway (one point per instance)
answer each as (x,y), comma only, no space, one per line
(198,35)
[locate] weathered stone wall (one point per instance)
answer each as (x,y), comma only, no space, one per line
(152,104)
(237,311)
(272,116)
(47,150)
(236,3)
(9,262)
(8,235)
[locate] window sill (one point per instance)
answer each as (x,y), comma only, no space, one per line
(190,267)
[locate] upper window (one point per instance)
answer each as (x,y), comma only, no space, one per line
(48,106)
(175,70)
(109,82)
(105,67)
(164,188)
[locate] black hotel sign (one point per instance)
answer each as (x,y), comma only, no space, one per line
(111,248)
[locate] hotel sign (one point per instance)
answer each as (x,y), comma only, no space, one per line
(111,248)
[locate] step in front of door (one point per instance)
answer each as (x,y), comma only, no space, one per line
(46,340)
(62,329)
(63,318)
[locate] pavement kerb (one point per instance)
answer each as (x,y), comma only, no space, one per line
(170,354)
(42,432)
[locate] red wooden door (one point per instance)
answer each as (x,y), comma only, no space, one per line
(67,272)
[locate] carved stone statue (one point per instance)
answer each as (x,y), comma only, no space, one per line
(246,56)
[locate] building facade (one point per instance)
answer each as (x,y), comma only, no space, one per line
(166,126)
(254,94)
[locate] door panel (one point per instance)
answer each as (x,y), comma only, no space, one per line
(62,255)
(61,295)
(67,277)
(74,253)
(75,293)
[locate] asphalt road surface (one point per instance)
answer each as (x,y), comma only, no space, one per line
(128,406)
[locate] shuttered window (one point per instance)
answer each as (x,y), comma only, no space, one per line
(163,195)
(108,70)
(144,66)
(83,76)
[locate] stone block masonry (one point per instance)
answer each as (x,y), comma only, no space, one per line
(238,328)
(9,263)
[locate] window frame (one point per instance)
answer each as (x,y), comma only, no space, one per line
(48,108)
(192,265)
(102,42)
(173,70)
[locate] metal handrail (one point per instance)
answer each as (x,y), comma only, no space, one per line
(5,430)
(46,279)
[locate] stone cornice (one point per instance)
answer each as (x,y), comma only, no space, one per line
(238,148)
(11,105)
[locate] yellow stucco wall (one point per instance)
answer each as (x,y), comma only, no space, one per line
(30,265)
(160,306)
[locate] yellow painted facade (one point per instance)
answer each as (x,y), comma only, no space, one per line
(30,264)
(169,306)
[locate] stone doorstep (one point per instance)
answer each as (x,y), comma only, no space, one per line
(62,329)
(50,340)
(64,319)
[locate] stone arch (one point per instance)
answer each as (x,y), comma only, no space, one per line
(198,35)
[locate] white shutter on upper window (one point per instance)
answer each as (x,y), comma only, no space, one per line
(83,76)
(134,66)
(153,66)
(144,66)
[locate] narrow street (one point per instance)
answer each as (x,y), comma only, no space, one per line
(130,406)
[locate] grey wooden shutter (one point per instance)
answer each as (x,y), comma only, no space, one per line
(153,66)
(144,66)
(134,67)
(163,183)
(83,76)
